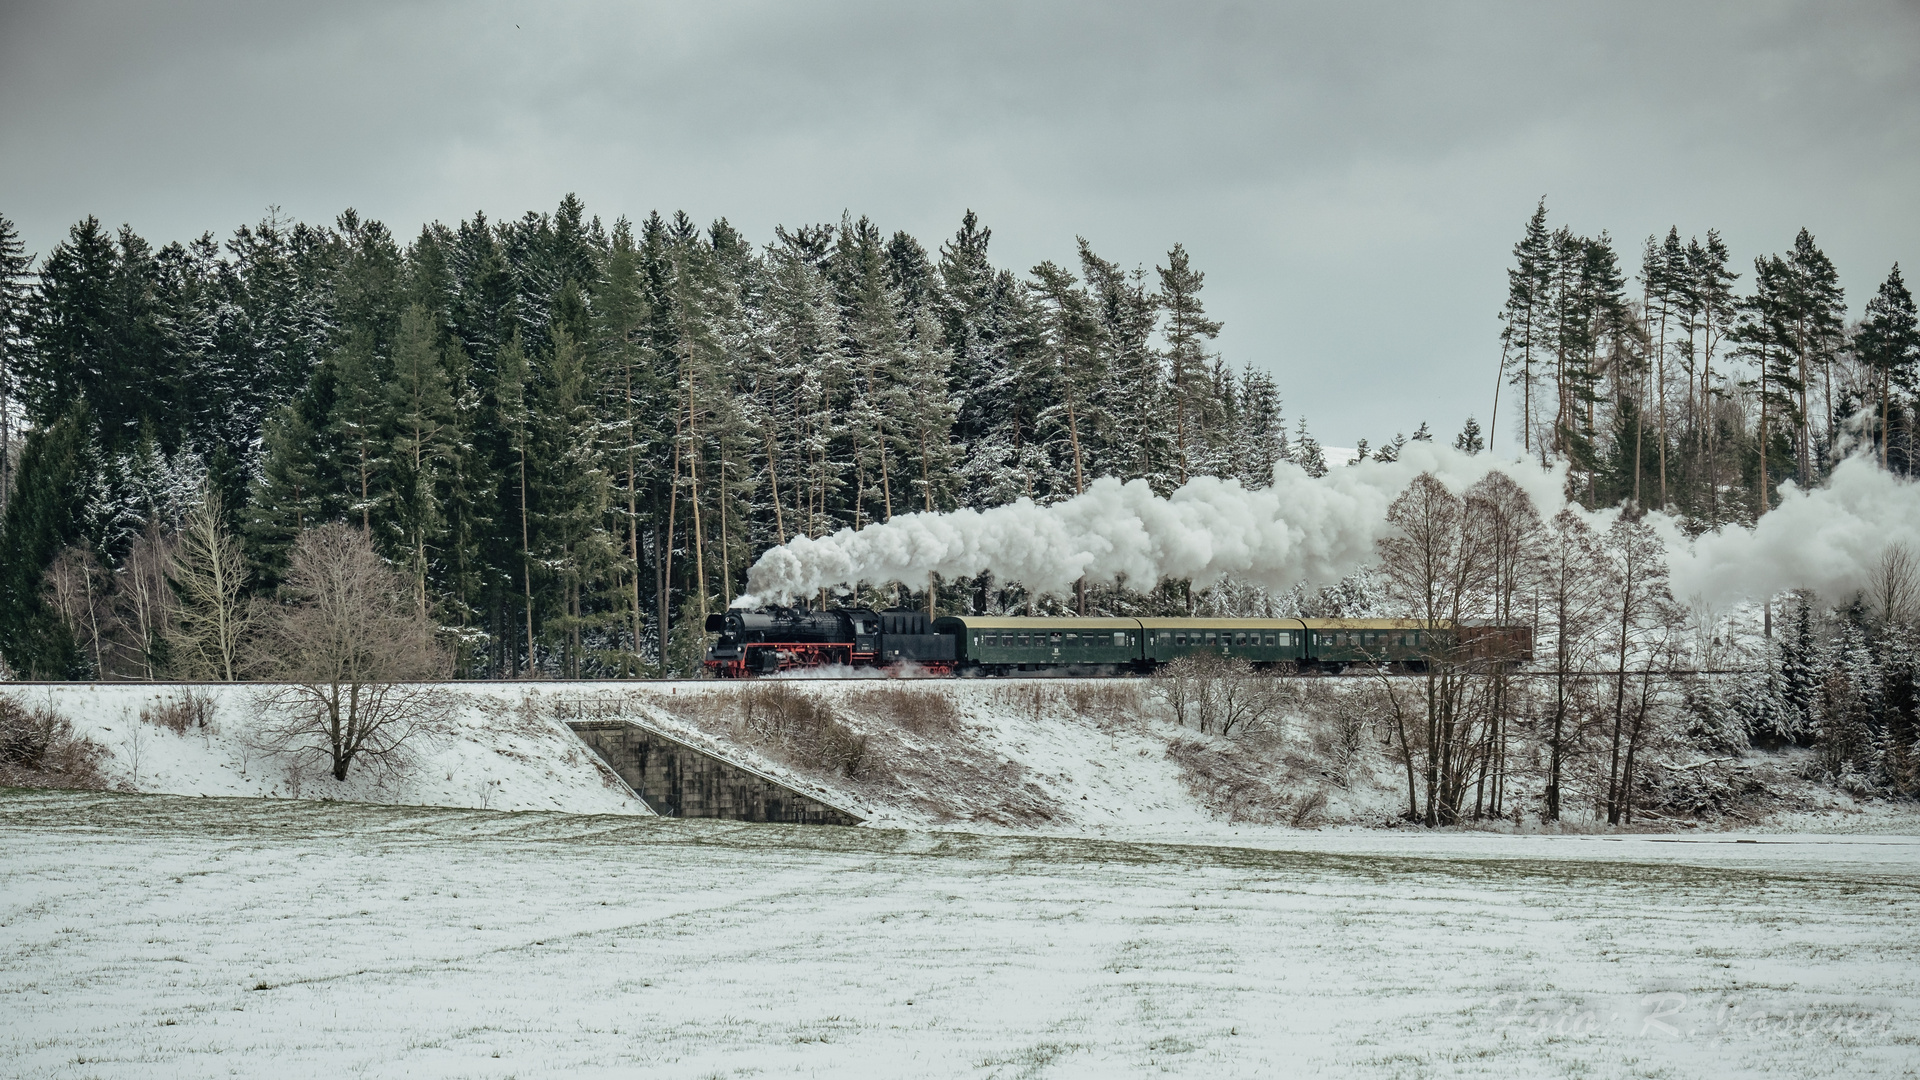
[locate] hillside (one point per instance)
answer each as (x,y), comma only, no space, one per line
(1065,757)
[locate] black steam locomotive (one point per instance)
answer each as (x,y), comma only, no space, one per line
(777,638)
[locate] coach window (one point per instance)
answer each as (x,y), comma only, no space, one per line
(1212,639)
(1073,640)
(1239,639)
(1053,638)
(1023,641)
(1179,639)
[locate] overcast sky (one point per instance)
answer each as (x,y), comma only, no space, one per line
(1350,177)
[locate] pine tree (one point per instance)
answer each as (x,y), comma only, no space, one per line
(1814,321)
(1713,311)
(1888,343)
(1074,368)
(1763,336)
(1524,336)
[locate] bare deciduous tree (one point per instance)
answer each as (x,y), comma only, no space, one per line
(209,577)
(120,619)
(1893,590)
(144,605)
(77,587)
(1510,525)
(347,646)
(1218,693)
(1643,609)
(1573,610)
(1437,565)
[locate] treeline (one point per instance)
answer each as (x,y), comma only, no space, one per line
(571,438)
(1690,389)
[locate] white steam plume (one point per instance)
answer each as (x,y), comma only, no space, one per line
(1828,539)
(1300,529)
(1315,531)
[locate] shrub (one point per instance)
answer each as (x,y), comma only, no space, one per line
(917,709)
(39,749)
(802,729)
(1220,693)
(179,715)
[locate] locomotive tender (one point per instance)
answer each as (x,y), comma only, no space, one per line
(779,639)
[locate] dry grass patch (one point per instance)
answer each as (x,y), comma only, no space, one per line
(919,709)
(38,748)
(181,714)
(801,729)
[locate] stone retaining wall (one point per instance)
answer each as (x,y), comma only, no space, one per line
(678,780)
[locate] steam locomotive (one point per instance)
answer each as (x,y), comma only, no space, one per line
(780,639)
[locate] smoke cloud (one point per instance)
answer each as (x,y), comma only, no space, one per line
(1315,531)
(1828,539)
(1300,529)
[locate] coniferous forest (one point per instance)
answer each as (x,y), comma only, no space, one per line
(573,438)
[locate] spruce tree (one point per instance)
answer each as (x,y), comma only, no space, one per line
(1470,440)
(15,297)
(46,515)
(515,418)
(1307,452)
(1187,332)
(1137,380)
(425,438)
(358,429)
(1262,440)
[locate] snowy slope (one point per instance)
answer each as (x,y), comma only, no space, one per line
(494,755)
(1096,758)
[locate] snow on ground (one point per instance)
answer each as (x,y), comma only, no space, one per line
(1070,757)
(152,936)
(1101,758)
(495,753)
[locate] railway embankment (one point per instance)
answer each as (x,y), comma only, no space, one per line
(1086,757)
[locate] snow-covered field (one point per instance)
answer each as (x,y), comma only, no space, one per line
(154,936)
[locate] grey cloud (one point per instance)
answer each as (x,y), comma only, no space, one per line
(1350,177)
